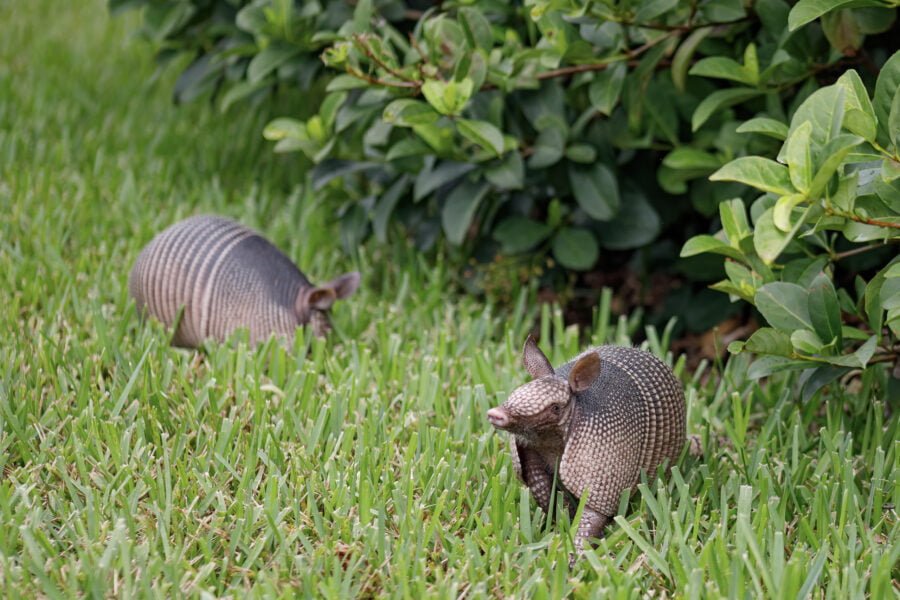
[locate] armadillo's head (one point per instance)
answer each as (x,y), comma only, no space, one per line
(313,303)
(546,402)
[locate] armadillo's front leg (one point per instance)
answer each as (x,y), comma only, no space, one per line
(537,478)
(591,526)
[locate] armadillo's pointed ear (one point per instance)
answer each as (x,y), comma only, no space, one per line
(534,360)
(320,298)
(585,372)
(344,285)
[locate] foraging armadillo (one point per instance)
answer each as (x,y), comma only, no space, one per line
(597,422)
(225,276)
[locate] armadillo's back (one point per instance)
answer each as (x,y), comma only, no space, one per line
(221,273)
(630,419)
(663,410)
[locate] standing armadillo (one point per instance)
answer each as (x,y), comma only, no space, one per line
(225,276)
(597,422)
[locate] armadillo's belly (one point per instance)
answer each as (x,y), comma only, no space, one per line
(174,272)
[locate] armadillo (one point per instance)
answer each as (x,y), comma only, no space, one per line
(595,422)
(225,276)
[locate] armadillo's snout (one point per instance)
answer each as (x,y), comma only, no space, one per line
(498,417)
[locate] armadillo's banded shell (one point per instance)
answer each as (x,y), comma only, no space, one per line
(223,275)
(631,419)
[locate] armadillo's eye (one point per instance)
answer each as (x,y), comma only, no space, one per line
(555,408)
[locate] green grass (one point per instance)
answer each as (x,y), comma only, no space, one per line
(358,466)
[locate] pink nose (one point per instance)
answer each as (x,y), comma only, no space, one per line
(498,417)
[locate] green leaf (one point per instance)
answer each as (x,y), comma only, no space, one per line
(834,153)
(806,341)
(707,243)
(885,89)
(765,126)
(767,365)
(444,173)
(581,153)
(407,112)
(894,120)
(824,310)
(345,82)
(476,28)
(718,101)
(815,379)
(756,171)
(606,88)
(722,67)
(595,189)
(239,92)
(549,148)
(575,248)
(284,127)
(859,115)
(518,234)
(690,159)
(448,97)
(798,157)
(768,240)
(751,62)
(784,306)
(385,206)
(858,359)
(889,295)
(824,108)
(723,11)
(438,137)
(781,215)
(809,10)
(635,225)
(268,60)
(767,340)
(482,133)
(459,209)
(408,146)
(648,10)
(733,215)
(509,174)
(682,59)
(842,31)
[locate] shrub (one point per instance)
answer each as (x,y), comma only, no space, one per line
(579,130)
(836,180)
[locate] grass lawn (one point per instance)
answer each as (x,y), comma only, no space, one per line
(358,466)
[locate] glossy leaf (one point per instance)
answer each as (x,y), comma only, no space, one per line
(762,173)
(606,88)
(575,248)
(596,190)
(765,126)
(718,101)
(459,209)
(518,234)
(785,306)
(825,311)
(482,133)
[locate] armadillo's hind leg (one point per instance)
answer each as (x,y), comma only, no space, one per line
(590,526)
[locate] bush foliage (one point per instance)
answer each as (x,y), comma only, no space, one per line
(569,129)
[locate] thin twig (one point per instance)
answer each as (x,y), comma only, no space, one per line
(630,55)
(382,82)
(364,44)
(855,251)
(864,220)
